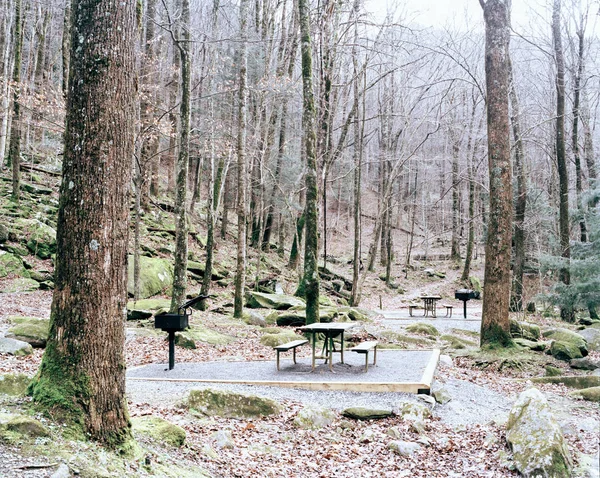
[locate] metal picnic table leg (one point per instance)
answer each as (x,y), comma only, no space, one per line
(314,341)
(330,338)
(342,346)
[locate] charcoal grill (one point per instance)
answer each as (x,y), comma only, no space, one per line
(172,323)
(465,295)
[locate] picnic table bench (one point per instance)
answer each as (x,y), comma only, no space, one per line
(293,345)
(365,348)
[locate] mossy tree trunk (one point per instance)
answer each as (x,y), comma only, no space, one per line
(82,375)
(14,148)
(181,226)
(495,328)
(309,284)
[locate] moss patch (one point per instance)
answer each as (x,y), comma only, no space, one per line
(200,333)
(32,330)
(591,394)
(273,340)
(14,384)
(229,404)
(423,329)
(159,430)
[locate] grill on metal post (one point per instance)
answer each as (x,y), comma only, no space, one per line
(172,323)
(465,295)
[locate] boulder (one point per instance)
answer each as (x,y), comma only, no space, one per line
(199,268)
(230,404)
(314,418)
(62,471)
(11,264)
(591,394)
(564,350)
(184,341)
(14,384)
(365,413)
(458,343)
(42,239)
(285,336)
(404,448)
(530,344)
(159,430)
(26,426)
(200,333)
(424,329)
(441,395)
(20,284)
(15,347)
(156,275)
(446,361)
(566,335)
(222,439)
(257,300)
(536,439)
(32,330)
(251,317)
(552,371)
(3,234)
(297,317)
(584,364)
(524,330)
(414,414)
(573,381)
(592,336)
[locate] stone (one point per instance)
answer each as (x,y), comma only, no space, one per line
(394,432)
(230,404)
(566,335)
(11,264)
(552,371)
(446,361)
(222,439)
(524,330)
(3,234)
(592,336)
(285,336)
(32,330)
(423,329)
(426,398)
(156,276)
(200,333)
(14,384)
(159,429)
(535,437)
(40,275)
(217,273)
(151,305)
(458,343)
(564,350)
(61,472)
(251,317)
(15,347)
(441,395)
(314,418)
(26,426)
(184,341)
(591,394)
(365,413)
(404,448)
(573,381)
(20,284)
(257,300)
(42,239)
(530,344)
(584,364)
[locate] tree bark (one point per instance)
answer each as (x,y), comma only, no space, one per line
(14,149)
(495,329)
(82,375)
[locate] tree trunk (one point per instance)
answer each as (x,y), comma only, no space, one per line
(181,226)
(575,134)
(4,92)
(495,329)
(455,242)
(309,286)
(66,47)
(516,296)
(14,149)
(566,312)
(240,273)
(82,375)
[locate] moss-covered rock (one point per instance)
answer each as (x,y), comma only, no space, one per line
(423,329)
(14,384)
(258,300)
(42,239)
(297,317)
(551,371)
(591,394)
(314,418)
(25,426)
(367,413)
(3,233)
(11,264)
(566,335)
(156,275)
(145,308)
(32,330)
(524,330)
(414,414)
(457,343)
(536,439)
(184,341)
(159,430)
(198,268)
(398,338)
(592,337)
(229,404)
(564,350)
(530,344)
(21,284)
(15,347)
(284,336)
(200,333)
(573,381)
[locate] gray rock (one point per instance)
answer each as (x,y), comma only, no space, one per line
(32,330)
(230,404)
(404,448)
(524,330)
(222,439)
(536,439)
(61,472)
(531,345)
(3,233)
(15,347)
(314,418)
(394,432)
(426,398)
(584,364)
(364,413)
(414,414)
(441,395)
(592,335)
(568,336)
(446,361)
(273,301)
(564,350)
(251,317)
(367,436)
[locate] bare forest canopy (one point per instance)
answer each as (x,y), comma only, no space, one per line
(400,117)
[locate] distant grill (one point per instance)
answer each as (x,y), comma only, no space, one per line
(465,295)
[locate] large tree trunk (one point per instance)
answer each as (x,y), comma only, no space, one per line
(566,311)
(14,149)
(82,375)
(4,105)
(516,296)
(181,226)
(240,273)
(66,47)
(495,328)
(575,133)
(309,286)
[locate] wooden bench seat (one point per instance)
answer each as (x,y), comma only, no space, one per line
(289,346)
(365,348)
(448,309)
(411,307)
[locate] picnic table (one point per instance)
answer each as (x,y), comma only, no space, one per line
(330,330)
(429,304)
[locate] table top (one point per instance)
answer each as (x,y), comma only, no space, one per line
(326,327)
(431,297)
